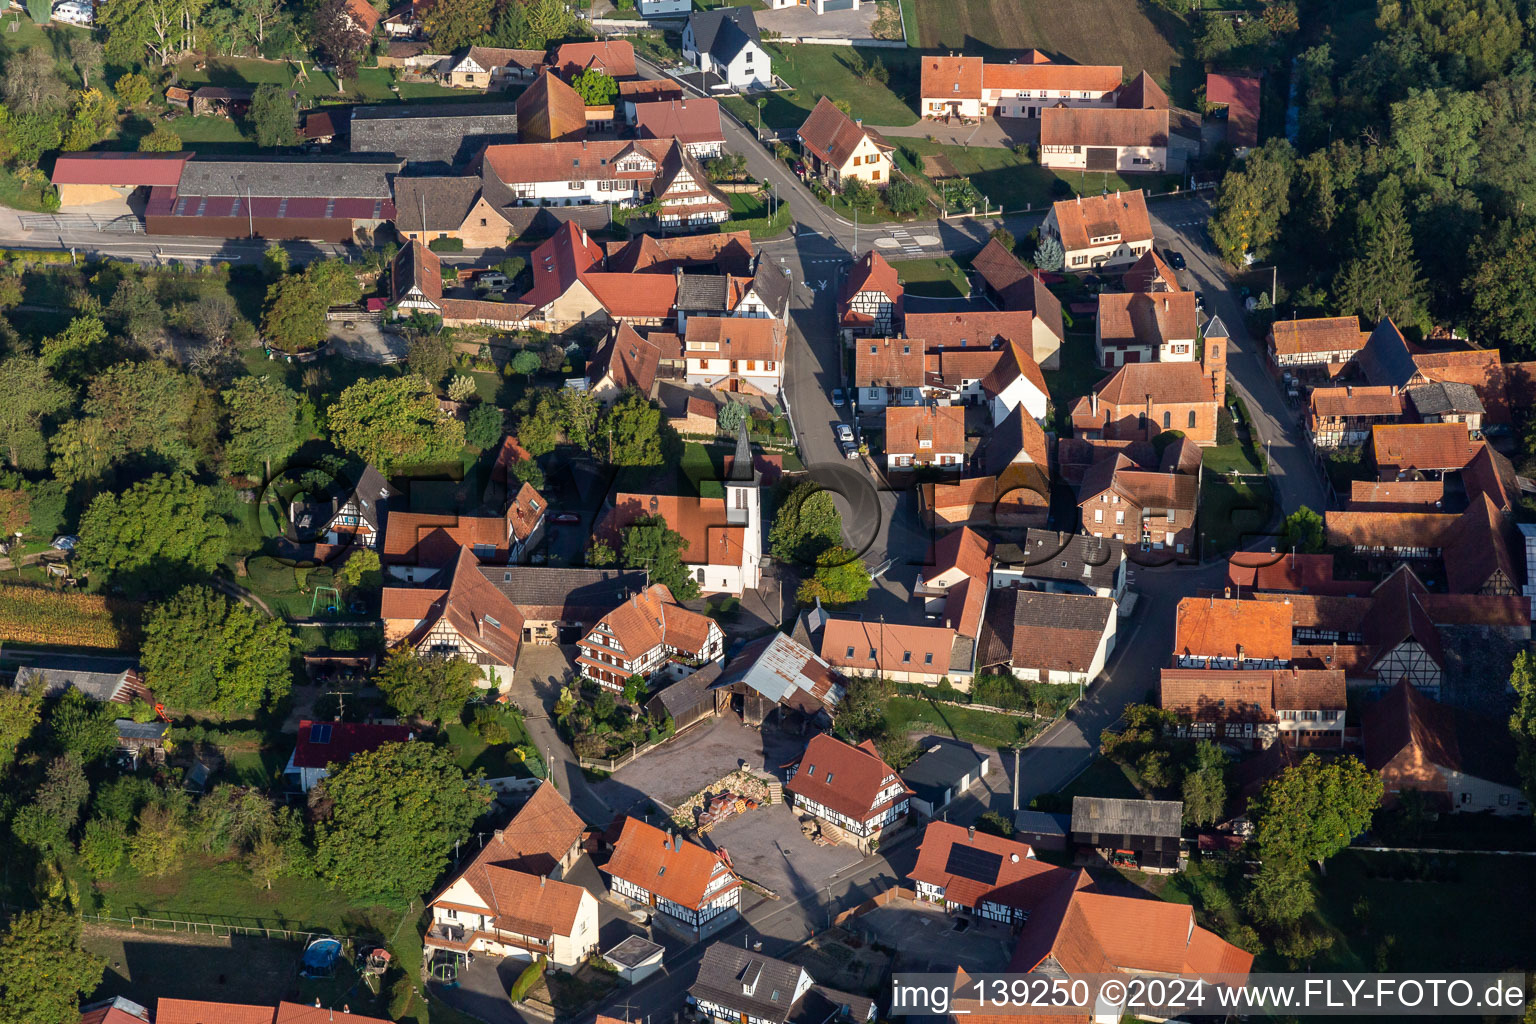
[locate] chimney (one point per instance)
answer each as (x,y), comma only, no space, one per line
(1165,305)
(1349,390)
(971,833)
(542,879)
(1093,402)
(1239,655)
(1229,592)
(583,235)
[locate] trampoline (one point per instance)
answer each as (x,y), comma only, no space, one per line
(320,958)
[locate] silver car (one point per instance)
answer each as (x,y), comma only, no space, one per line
(844,433)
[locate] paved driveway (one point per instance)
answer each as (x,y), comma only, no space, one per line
(367,342)
(698,758)
(805,23)
(925,938)
(767,847)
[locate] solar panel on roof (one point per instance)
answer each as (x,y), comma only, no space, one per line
(320,732)
(977,865)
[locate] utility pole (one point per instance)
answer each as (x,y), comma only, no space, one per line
(1015,779)
(855,252)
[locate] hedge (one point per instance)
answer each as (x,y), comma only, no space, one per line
(446,245)
(526,980)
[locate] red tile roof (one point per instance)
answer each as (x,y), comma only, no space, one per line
(198,1011)
(1241,98)
(845,778)
(525,511)
(872,273)
(1147,318)
(559,260)
(630,360)
(1014,361)
(1167,383)
(1142,92)
(1095,78)
(121,169)
(1248,695)
(709,538)
(616,57)
(652,618)
(481,614)
(1435,446)
(671,867)
(1386,529)
(1150,273)
(886,647)
(833,136)
(364,14)
(538,837)
(1317,335)
(1122,213)
(951,78)
(888,362)
(907,426)
(970,329)
(434,541)
(1394,496)
(522,162)
(1103,126)
(301,1013)
(521,902)
(1290,573)
(347,739)
(1021,881)
(550,111)
(736,337)
(687,120)
(1217,627)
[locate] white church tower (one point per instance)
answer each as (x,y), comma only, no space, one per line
(744,507)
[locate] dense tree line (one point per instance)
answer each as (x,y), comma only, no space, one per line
(1410,191)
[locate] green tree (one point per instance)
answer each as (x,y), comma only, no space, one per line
(1253,202)
(595,87)
(1522,724)
(1435,134)
(394,816)
(92,117)
(859,194)
(82,726)
(159,530)
(430,355)
(203,651)
(903,197)
(163,139)
(28,394)
(650,545)
(635,431)
(263,424)
(362,570)
(860,715)
(87,58)
(807,523)
(73,353)
(579,416)
(634,689)
(1502,285)
(136,310)
(20,711)
(1049,255)
(483,427)
(1383,278)
(539,429)
(43,969)
(1282,892)
(600,555)
(393,422)
(527,471)
(135,410)
(160,840)
(730,416)
(841,578)
(1507,138)
(1003,237)
(294,318)
(45,823)
(1312,810)
(133,90)
(274,116)
(276,261)
(1205,785)
(335,281)
(526,363)
(1302,531)
(29,136)
(432,689)
(454,23)
(1480,37)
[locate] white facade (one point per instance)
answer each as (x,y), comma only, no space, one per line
(1101,653)
(871,398)
(1019,391)
(1013,102)
(766,375)
(620,192)
(1142,159)
(925,457)
(803,984)
(1111,250)
(459,906)
(871,824)
(717,897)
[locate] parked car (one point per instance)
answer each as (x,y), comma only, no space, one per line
(1176,259)
(844,433)
(838,398)
(566,518)
(850,450)
(65,542)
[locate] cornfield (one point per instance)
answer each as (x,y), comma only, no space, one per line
(30,614)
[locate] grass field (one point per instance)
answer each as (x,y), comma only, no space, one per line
(816,71)
(942,277)
(1229,458)
(1016,182)
(1073,378)
(1231,511)
(1130,33)
(984,728)
(371,84)
(1103,778)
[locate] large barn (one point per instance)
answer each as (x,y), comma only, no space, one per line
(276,197)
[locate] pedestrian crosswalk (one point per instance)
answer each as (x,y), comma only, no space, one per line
(1192,223)
(906,242)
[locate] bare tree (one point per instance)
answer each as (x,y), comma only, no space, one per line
(32,84)
(86,55)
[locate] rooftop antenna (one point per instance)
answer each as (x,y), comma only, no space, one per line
(341,702)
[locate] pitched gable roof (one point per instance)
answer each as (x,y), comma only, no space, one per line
(1043,630)
(550,111)
(845,778)
(696,120)
(1007,873)
(669,866)
(969,328)
(1103,126)
(833,136)
(1142,93)
(908,426)
(1150,274)
(1119,213)
(951,77)
(709,539)
(891,647)
(724,32)
(783,670)
(1477,549)
(1036,74)
(1211,627)
(1432,446)
(871,273)
(1394,496)
(538,837)
(1241,97)
(653,617)
(1148,318)
(1167,383)
(628,359)
(479,612)
(614,57)
(1317,335)
(1385,359)
(524,511)
(1437,734)
(525,903)
(888,363)
(339,742)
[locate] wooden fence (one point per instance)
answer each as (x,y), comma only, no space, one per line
(215,929)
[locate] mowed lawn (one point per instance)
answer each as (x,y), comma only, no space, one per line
(816,71)
(1130,33)
(1016,182)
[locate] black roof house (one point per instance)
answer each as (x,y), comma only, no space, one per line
(441,134)
(724,32)
(761,987)
(1150,829)
(935,777)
